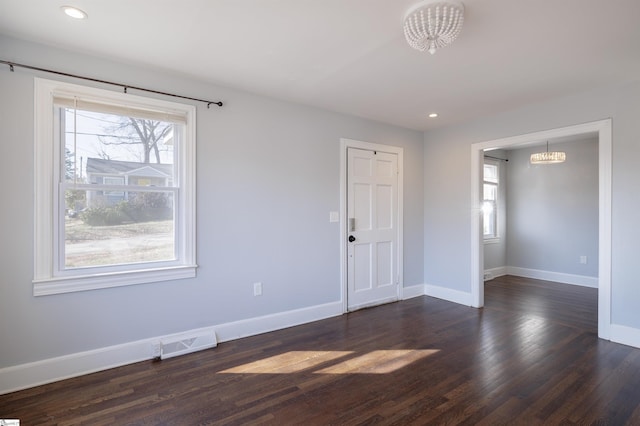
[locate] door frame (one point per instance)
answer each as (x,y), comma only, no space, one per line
(602,129)
(345,144)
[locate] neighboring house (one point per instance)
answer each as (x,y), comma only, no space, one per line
(113,172)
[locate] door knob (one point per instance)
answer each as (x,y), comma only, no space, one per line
(351,238)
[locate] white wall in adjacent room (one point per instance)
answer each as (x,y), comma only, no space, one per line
(553,210)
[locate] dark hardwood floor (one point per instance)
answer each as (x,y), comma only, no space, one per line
(531,356)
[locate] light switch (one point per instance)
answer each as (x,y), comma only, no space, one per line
(334,216)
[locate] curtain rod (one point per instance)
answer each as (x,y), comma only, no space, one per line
(124,86)
(496,158)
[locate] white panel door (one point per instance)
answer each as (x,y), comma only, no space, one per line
(372,228)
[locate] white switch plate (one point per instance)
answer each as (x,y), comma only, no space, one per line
(334,217)
(257,289)
(583,260)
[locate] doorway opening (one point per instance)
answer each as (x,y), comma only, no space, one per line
(602,130)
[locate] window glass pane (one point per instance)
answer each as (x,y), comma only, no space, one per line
(491,173)
(489,219)
(114,149)
(102,229)
(112,225)
(490,191)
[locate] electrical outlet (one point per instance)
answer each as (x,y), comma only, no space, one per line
(257,289)
(583,260)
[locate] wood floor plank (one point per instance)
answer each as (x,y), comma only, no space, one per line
(531,356)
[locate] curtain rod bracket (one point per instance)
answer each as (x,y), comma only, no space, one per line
(11,68)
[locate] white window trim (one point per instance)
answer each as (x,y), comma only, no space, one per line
(493,239)
(45,202)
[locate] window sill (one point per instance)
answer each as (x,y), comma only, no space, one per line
(493,240)
(60,285)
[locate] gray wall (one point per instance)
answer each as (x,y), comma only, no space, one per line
(267,177)
(447,157)
(553,210)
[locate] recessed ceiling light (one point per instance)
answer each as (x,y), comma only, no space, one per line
(74,12)
(433,115)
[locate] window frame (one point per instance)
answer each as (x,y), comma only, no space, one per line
(47,157)
(495,238)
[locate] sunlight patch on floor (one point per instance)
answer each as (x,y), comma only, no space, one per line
(374,362)
(289,362)
(378,362)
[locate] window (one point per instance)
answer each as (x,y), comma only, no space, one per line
(490,200)
(115,189)
(109,180)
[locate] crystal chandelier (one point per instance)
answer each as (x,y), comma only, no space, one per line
(548,157)
(432,24)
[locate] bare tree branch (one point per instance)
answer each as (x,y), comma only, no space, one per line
(148,134)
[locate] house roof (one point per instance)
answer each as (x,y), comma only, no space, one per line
(115,167)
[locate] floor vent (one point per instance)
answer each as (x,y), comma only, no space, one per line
(187,343)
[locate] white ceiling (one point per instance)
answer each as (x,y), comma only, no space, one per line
(350,56)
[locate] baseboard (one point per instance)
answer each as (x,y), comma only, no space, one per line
(438,292)
(625,335)
(448,294)
(37,373)
(554,276)
(252,326)
(492,273)
(413,291)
